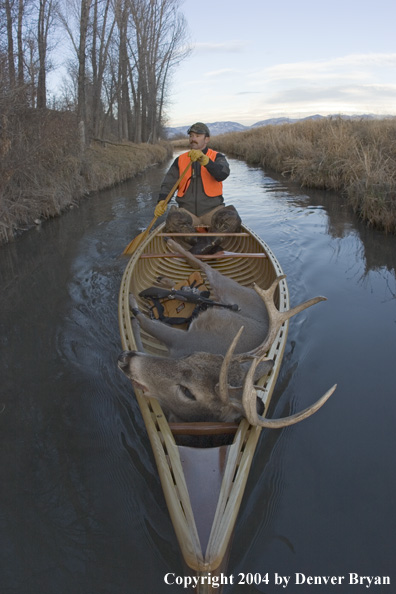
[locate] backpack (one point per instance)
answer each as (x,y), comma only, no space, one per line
(179,305)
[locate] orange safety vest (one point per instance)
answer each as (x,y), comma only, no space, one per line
(212,187)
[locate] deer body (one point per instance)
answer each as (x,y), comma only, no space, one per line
(214,329)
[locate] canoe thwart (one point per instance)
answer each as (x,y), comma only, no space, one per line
(204,234)
(208,256)
(203,428)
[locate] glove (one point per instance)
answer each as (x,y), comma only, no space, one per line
(160,209)
(203,160)
(199,156)
(194,155)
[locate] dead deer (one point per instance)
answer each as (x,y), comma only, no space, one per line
(212,367)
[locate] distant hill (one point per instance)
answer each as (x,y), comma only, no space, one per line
(217,128)
(278,121)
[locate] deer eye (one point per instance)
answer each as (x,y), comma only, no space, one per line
(187,393)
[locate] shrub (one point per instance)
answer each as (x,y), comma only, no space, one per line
(355,157)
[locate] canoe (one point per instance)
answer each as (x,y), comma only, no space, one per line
(203,486)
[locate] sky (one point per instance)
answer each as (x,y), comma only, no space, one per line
(253,60)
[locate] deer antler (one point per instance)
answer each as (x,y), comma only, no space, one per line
(250,405)
(222,386)
(276,318)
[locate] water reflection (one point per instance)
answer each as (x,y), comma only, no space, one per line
(379,249)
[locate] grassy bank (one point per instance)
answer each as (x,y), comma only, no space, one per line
(43,170)
(355,157)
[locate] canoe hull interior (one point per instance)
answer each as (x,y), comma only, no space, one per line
(203,486)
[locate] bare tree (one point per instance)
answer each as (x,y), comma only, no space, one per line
(102,32)
(82,67)
(126,51)
(157,47)
(15,15)
(172,54)
(89,26)
(69,16)
(75,18)
(8,5)
(121,70)
(20,44)
(31,69)
(44,23)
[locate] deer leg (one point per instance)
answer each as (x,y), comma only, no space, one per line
(226,289)
(166,334)
(136,333)
(190,258)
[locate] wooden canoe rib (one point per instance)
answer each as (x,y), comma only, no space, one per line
(203,486)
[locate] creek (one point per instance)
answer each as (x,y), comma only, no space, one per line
(82,511)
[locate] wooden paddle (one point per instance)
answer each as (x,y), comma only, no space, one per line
(136,241)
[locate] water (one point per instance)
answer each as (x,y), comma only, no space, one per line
(82,511)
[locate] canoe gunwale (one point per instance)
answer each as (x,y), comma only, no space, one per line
(240,452)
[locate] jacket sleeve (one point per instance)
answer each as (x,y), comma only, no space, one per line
(219,168)
(169,180)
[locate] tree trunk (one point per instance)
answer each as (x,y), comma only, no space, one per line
(42,51)
(20,45)
(10,45)
(81,83)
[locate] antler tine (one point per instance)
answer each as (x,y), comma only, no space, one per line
(250,406)
(276,318)
(222,386)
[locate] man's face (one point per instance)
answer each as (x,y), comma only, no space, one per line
(198,141)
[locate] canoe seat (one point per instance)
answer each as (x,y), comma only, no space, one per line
(204,434)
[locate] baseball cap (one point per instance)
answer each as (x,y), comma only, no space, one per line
(199,128)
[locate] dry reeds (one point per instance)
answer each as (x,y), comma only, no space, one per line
(39,167)
(355,157)
(43,170)
(107,163)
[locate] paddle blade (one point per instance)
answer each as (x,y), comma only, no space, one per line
(134,244)
(136,241)
(132,247)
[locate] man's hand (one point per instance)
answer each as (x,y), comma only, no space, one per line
(160,209)
(199,156)
(194,155)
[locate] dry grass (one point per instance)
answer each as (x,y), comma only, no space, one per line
(181,143)
(43,170)
(355,157)
(106,164)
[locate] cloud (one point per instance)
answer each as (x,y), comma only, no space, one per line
(313,93)
(353,83)
(221,72)
(374,91)
(225,46)
(249,93)
(353,66)
(310,99)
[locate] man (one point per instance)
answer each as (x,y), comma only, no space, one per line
(200,193)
